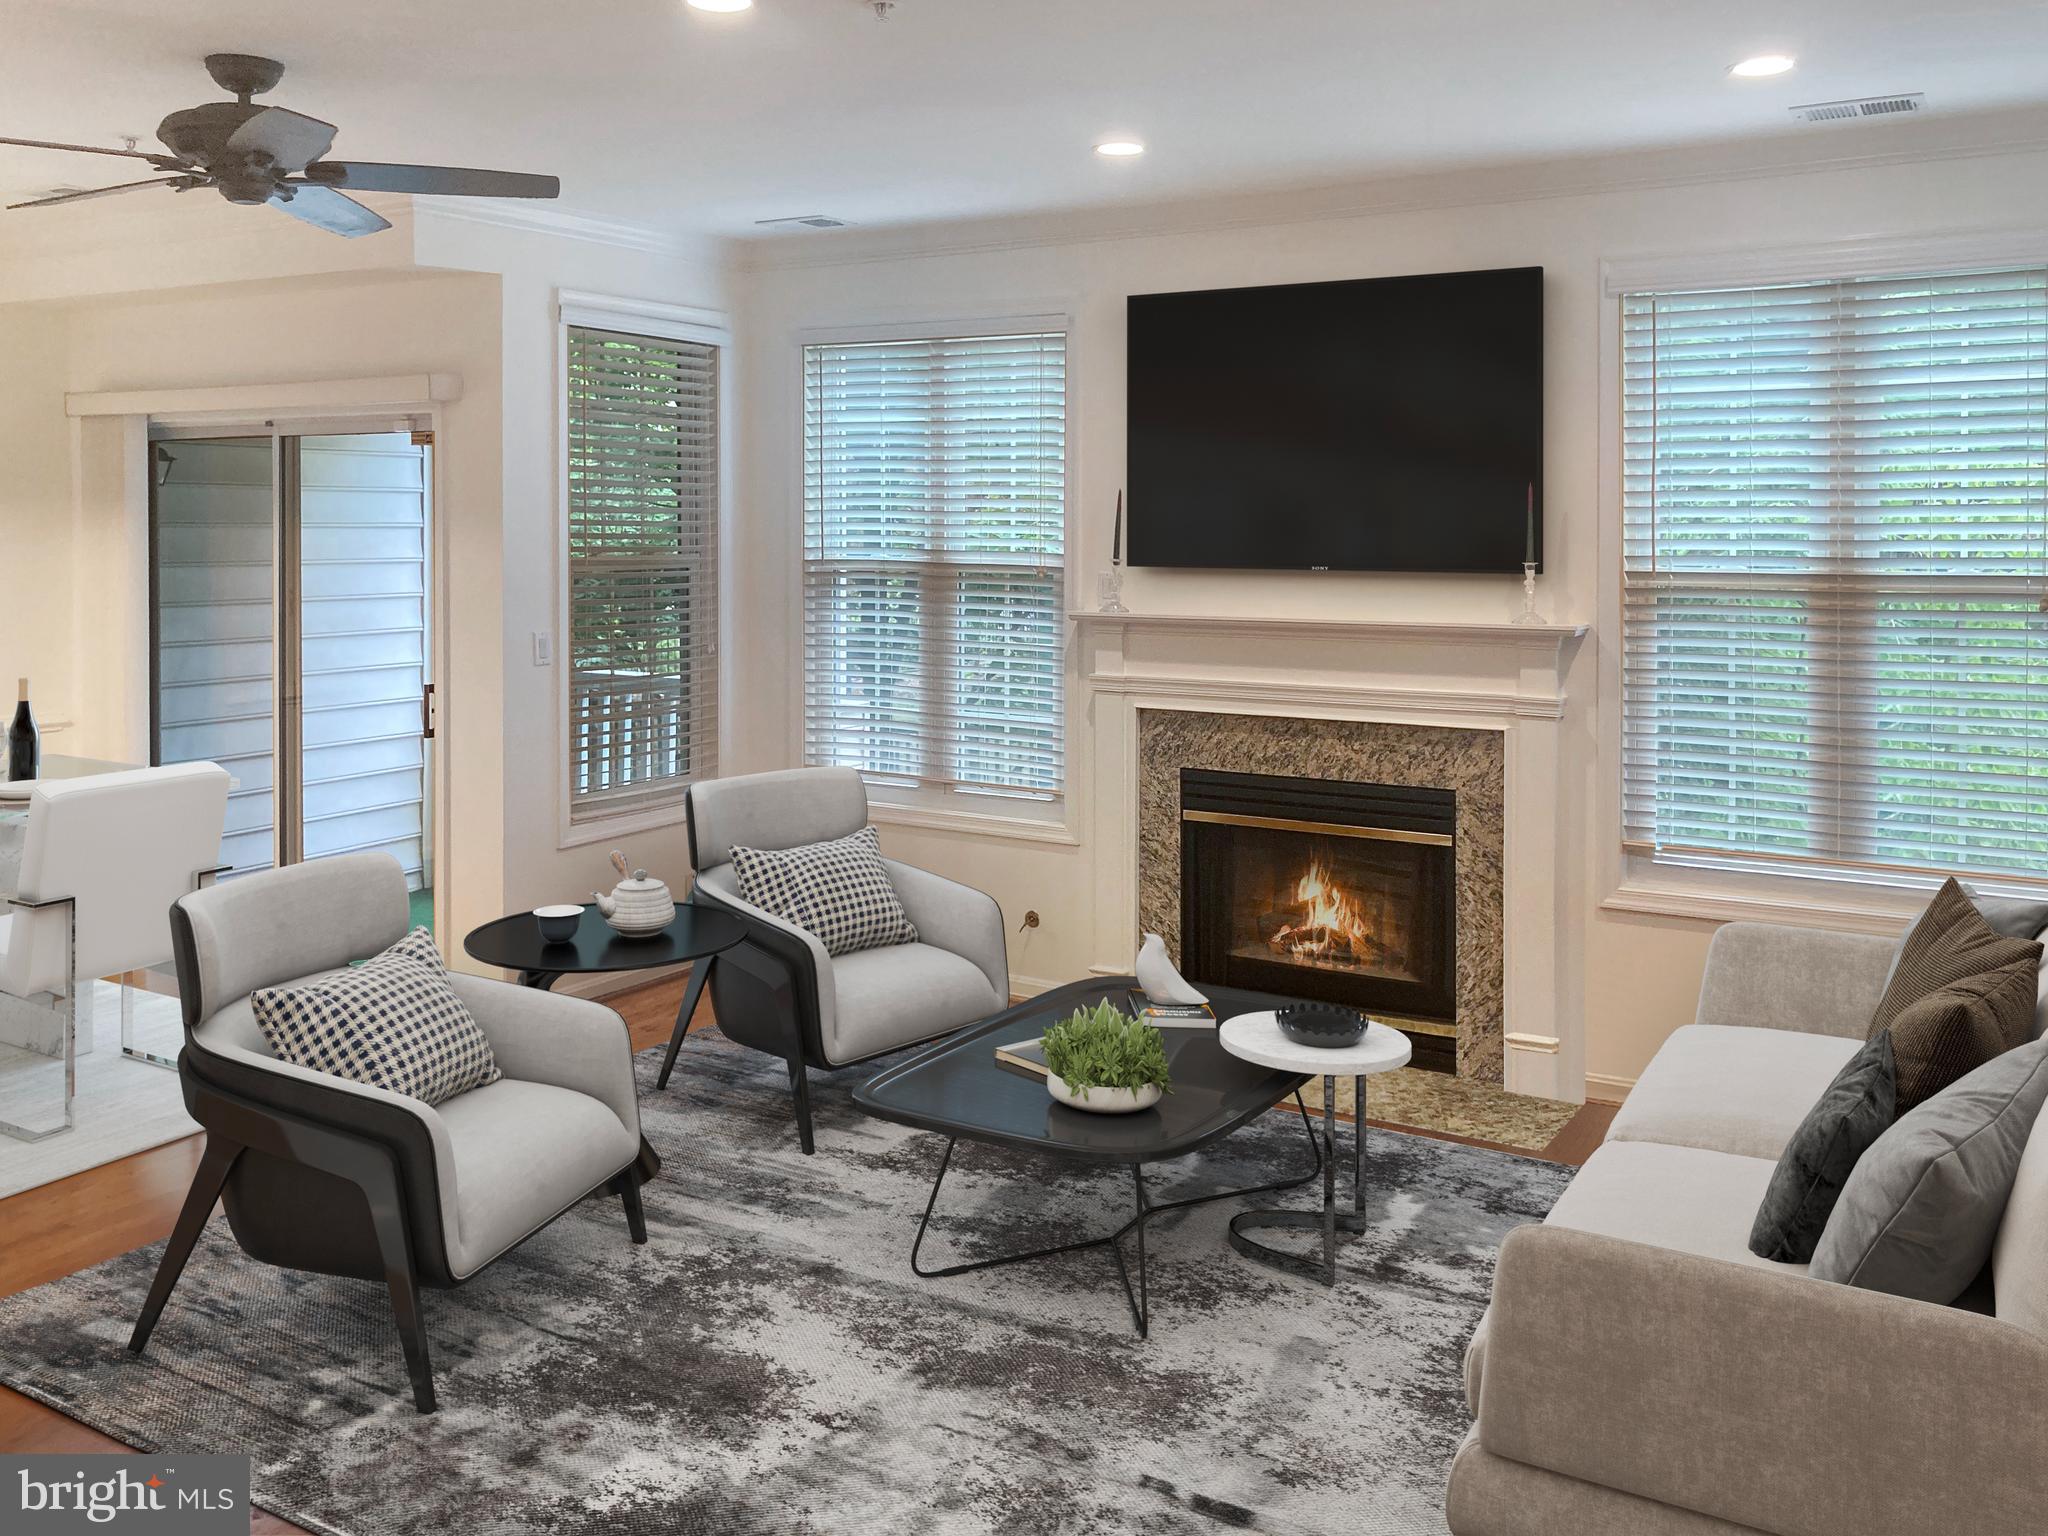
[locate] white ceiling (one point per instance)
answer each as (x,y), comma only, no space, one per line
(660,115)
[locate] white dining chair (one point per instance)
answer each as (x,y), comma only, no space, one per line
(103,859)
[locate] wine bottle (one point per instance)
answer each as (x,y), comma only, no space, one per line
(24,741)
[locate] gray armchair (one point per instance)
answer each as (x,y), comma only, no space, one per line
(779,991)
(322,1173)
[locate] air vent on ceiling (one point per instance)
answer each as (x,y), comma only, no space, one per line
(807,220)
(1863,106)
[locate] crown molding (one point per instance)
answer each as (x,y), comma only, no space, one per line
(1817,151)
(561,224)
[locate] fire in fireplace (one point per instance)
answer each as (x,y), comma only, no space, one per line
(1322,888)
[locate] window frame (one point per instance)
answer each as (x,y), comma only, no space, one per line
(667,322)
(1867,901)
(939,807)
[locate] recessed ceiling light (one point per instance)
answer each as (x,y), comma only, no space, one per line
(1119,149)
(722,5)
(1763,65)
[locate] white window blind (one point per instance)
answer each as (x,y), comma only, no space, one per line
(1834,550)
(643,567)
(934,548)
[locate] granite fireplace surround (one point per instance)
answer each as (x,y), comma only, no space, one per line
(1470,763)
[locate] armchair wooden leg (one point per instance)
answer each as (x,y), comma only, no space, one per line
(627,1187)
(394,1244)
(214,1165)
(799,1082)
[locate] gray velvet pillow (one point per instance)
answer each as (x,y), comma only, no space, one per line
(1852,1113)
(1919,1213)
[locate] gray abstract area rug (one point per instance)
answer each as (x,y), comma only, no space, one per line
(768,1362)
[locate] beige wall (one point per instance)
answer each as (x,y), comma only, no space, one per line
(443,295)
(1630,978)
(35,520)
(302,329)
(532,269)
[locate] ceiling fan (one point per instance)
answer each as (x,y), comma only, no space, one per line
(260,154)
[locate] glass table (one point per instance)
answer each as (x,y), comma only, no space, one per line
(958,1089)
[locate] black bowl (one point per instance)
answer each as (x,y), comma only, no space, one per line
(1322,1024)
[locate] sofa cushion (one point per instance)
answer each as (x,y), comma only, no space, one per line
(839,891)
(523,1152)
(2019,1255)
(885,998)
(1960,993)
(2016,917)
(1855,1110)
(1730,1089)
(1683,1198)
(1918,1215)
(392,1022)
(1941,1037)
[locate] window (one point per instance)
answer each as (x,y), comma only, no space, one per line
(1834,550)
(643,568)
(934,545)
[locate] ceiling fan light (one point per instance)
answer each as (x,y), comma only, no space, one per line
(1119,149)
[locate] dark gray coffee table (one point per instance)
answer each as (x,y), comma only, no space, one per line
(958,1089)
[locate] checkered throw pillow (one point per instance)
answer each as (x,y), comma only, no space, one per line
(837,891)
(392,1022)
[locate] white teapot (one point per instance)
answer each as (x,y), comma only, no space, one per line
(638,907)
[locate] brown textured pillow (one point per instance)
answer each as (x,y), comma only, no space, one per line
(1949,1034)
(1961,994)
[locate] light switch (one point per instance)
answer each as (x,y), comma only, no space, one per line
(543,649)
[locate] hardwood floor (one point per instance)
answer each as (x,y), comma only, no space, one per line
(78,1222)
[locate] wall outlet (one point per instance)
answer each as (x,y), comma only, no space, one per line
(543,649)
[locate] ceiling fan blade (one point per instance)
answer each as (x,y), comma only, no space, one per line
(79,197)
(165,161)
(327,209)
(289,138)
(434,180)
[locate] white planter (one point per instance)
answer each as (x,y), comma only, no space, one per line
(1103,1101)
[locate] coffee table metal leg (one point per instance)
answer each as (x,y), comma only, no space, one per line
(1138,1298)
(540,980)
(700,972)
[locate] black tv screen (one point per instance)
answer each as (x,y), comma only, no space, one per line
(1388,424)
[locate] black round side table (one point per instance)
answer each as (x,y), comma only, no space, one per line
(696,937)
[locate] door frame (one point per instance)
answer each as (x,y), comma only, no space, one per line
(338,406)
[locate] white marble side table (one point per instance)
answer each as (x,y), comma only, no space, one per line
(1257,1038)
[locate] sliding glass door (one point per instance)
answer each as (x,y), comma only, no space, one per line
(290,582)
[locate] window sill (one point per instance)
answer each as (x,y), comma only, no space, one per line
(639,818)
(1028,829)
(1785,899)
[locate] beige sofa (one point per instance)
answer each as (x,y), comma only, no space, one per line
(1640,1372)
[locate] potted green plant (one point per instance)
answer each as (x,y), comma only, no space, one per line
(1104,1061)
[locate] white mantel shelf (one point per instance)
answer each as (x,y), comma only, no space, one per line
(1364,629)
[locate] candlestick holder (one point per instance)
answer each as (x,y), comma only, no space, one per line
(1529,615)
(1109,591)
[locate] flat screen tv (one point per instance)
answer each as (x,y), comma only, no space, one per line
(1387,424)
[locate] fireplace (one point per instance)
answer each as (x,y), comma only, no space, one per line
(1325,889)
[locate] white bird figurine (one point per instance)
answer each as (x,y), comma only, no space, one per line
(1159,977)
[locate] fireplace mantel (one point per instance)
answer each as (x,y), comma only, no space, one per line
(1508,678)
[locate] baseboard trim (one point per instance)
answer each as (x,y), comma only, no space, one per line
(1604,1089)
